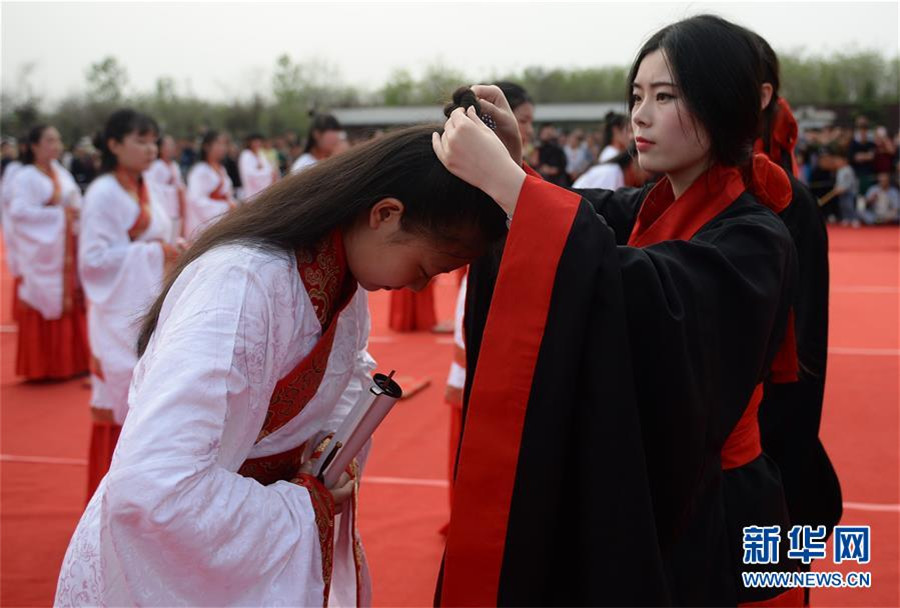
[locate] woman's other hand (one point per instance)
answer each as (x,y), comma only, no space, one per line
(493,102)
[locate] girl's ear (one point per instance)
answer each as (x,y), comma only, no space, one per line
(766,92)
(385,213)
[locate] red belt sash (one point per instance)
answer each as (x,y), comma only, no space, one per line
(323,270)
(219,193)
(743,445)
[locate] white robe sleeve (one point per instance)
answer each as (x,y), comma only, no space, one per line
(608,176)
(256,173)
(201,209)
(6,192)
(183,527)
(39,235)
(112,266)
(160,177)
(456,378)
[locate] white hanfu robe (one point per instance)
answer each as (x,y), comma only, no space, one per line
(257,173)
(172,523)
(201,207)
(165,178)
(39,234)
(608,176)
(303,161)
(608,153)
(121,277)
(456,378)
(6,190)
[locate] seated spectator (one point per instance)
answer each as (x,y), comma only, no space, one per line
(882,202)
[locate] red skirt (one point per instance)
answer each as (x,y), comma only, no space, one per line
(104,437)
(16,302)
(52,349)
(412,311)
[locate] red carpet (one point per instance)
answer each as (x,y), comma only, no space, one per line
(404,502)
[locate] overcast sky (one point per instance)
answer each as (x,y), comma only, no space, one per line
(222,50)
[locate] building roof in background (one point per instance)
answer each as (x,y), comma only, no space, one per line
(411,115)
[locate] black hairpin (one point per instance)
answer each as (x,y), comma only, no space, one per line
(488,120)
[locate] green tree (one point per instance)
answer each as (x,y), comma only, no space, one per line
(21,108)
(438,83)
(106,81)
(400,89)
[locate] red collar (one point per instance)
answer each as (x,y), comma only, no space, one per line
(50,172)
(662,217)
(135,186)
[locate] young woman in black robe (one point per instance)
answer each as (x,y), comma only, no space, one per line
(791,412)
(611,451)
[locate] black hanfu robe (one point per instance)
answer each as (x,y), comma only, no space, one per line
(791,413)
(609,385)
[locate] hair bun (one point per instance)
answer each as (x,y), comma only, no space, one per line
(464,98)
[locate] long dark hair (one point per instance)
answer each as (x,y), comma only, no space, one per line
(301,208)
(32,139)
(120,124)
(717,68)
(612,120)
(320,123)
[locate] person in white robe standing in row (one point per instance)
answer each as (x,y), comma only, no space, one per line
(44,210)
(124,249)
(210,193)
(254,352)
(256,170)
(326,138)
(164,176)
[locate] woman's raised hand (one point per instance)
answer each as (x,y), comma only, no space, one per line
(473,152)
(494,102)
